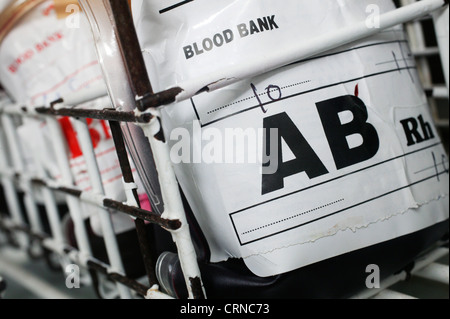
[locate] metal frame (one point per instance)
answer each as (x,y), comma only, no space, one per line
(146,114)
(426,266)
(437,93)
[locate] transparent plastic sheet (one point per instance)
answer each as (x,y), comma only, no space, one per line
(121,94)
(359,159)
(4,4)
(12,11)
(43,59)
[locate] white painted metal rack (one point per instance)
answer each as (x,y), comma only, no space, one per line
(15,175)
(422,39)
(432,268)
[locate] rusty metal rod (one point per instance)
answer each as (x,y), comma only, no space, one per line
(121,207)
(143,214)
(196,285)
(25,229)
(148,249)
(130,49)
(105,114)
(130,283)
(158,99)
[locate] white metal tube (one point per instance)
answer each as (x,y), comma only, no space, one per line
(11,200)
(16,157)
(440,92)
(299,50)
(173,206)
(50,206)
(441,24)
(30,281)
(417,43)
(427,52)
(391,294)
(15,109)
(53,215)
(9,189)
(112,248)
(154,293)
(67,179)
(87,149)
(19,165)
(435,272)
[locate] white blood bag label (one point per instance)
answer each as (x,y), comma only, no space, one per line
(354,156)
(227,36)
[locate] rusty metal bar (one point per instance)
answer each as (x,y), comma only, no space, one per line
(143,214)
(129,44)
(196,285)
(24,229)
(130,283)
(121,207)
(105,114)
(142,90)
(158,99)
(143,233)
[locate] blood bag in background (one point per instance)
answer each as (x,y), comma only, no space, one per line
(305,174)
(44,58)
(4,4)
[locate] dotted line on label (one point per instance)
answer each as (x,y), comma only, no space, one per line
(252,97)
(292,217)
